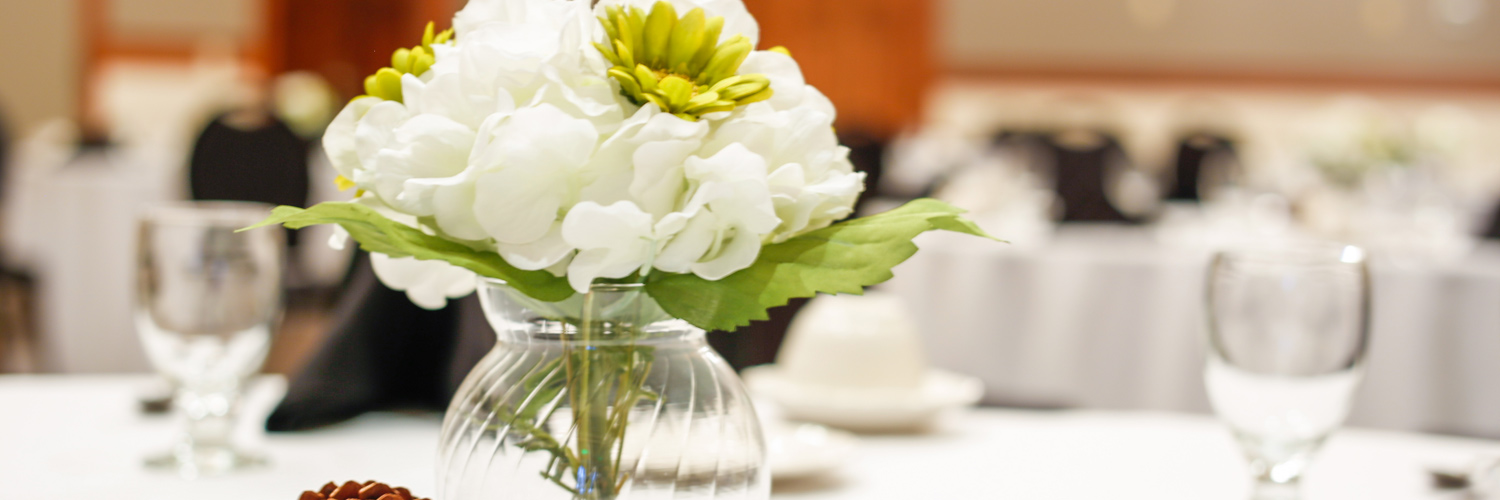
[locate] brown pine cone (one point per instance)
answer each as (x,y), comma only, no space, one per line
(350,490)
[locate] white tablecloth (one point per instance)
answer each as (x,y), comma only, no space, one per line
(1105,317)
(80,437)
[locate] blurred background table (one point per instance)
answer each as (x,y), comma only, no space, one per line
(81,437)
(1108,317)
(74,226)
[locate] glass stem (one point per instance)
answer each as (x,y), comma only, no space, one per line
(209,418)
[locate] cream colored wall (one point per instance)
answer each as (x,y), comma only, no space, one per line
(41,45)
(1349,38)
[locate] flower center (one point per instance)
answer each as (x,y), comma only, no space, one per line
(677,63)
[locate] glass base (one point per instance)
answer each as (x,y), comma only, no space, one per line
(194,462)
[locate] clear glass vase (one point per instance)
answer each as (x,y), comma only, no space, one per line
(599,397)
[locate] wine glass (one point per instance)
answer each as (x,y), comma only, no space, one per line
(1287,335)
(207,298)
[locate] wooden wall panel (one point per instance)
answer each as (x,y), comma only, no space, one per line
(345,40)
(873,58)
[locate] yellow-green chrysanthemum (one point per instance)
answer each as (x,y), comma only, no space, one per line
(677,63)
(386,83)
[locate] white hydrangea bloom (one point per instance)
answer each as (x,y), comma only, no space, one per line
(728,217)
(517,140)
(810,177)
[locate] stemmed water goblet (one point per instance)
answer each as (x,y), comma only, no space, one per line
(1288,330)
(207,300)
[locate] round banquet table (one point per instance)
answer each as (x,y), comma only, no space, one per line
(67,437)
(1107,317)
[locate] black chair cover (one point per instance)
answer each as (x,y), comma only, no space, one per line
(267,164)
(1192,152)
(1080,178)
(1493,231)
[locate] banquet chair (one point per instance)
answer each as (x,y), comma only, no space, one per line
(1196,154)
(867,153)
(250,155)
(1492,231)
(1081,159)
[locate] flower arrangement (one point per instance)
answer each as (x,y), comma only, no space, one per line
(556,146)
(551,146)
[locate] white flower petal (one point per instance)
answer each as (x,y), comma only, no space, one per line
(339,140)
(444,96)
(613,241)
(733,163)
(756,133)
(794,211)
(426,147)
(814,99)
(689,244)
(412,90)
(590,225)
(453,207)
(787,84)
(658,181)
(376,130)
(560,269)
(787,177)
(616,157)
(587,266)
(517,205)
(671,224)
(585,96)
(540,254)
(428,283)
(544,137)
(339,239)
(737,253)
(607,189)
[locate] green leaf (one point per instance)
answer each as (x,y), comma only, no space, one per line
(376,233)
(842,258)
